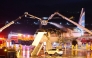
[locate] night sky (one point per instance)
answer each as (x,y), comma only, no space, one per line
(12,9)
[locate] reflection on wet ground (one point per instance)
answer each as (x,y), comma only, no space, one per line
(68,54)
(77,54)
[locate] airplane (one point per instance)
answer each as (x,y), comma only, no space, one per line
(79,31)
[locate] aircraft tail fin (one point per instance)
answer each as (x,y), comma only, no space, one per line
(82,20)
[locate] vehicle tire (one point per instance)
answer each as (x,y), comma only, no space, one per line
(60,55)
(46,53)
(56,54)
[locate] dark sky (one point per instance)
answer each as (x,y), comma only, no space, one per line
(12,9)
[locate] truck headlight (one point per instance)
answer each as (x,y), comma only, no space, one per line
(5,50)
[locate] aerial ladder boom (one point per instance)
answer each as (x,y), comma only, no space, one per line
(32,16)
(12,22)
(9,24)
(68,19)
(74,23)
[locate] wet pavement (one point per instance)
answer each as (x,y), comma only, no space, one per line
(68,54)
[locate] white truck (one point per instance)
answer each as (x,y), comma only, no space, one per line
(54,52)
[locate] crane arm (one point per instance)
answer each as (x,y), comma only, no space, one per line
(74,23)
(52,15)
(32,16)
(12,22)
